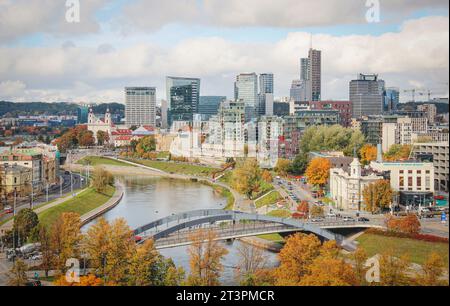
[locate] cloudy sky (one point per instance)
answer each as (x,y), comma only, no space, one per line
(120,43)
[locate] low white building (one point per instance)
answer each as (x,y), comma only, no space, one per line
(347,188)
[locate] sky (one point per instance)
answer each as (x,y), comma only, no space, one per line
(120,43)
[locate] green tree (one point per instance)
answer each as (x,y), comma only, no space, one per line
(299,164)
(146,145)
(25,222)
(283,166)
(101,179)
(102,138)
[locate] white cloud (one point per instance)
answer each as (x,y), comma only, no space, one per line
(154,14)
(418,54)
(23,17)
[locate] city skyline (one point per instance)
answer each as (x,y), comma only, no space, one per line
(50,60)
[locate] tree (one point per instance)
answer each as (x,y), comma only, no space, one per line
(87,139)
(317,211)
(393,270)
(46,250)
(360,258)
(142,265)
(398,152)
(102,179)
(378,195)
(433,271)
(303,209)
(65,238)
(329,271)
(96,245)
(318,171)
(205,255)
(368,154)
(299,164)
(18,274)
(267,176)
(409,224)
(25,222)
(283,166)
(89,280)
(146,145)
(295,257)
(251,260)
(246,177)
(102,138)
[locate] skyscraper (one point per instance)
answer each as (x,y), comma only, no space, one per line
(300,91)
(367,95)
(82,114)
(304,69)
(315,74)
(209,106)
(183,95)
(392,99)
(140,108)
(266,90)
(246,90)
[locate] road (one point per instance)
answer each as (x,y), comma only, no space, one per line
(53,193)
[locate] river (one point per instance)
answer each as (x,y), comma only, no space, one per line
(147,199)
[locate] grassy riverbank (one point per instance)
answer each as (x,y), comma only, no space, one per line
(174,167)
(99,161)
(417,250)
(83,203)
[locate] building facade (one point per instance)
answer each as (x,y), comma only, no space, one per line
(140,106)
(209,106)
(438,154)
(183,95)
(367,95)
(246,90)
(343,107)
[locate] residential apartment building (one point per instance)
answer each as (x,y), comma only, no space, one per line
(438,154)
(343,107)
(270,129)
(430,110)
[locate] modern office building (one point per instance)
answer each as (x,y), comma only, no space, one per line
(300,91)
(367,94)
(209,106)
(266,91)
(281,109)
(246,90)
(315,74)
(82,114)
(183,96)
(392,99)
(140,106)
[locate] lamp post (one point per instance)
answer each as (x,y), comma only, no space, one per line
(61,181)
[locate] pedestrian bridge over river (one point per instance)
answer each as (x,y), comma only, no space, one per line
(175,230)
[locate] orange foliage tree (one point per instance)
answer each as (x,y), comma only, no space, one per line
(318,171)
(408,225)
(368,154)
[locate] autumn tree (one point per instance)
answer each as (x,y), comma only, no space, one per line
(46,250)
(368,154)
(303,209)
(65,238)
(246,177)
(25,222)
(89,280)
(18,274)
(318,171)
(393,270)
(398,152)
(205,256)
(317,211)
(146,145)
(283,166)
(409,224)
(433,271)
(298,253)
(267,176)
(96,245)
(360,258)
(101,179)
(102,138)
(251,261)
(378,196)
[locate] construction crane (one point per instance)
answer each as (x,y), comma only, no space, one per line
(413,92)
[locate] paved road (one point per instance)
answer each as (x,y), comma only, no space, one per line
(54,193)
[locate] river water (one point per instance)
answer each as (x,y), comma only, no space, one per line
(147,199)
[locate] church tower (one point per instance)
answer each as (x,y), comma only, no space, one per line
(108,120)
(91,116)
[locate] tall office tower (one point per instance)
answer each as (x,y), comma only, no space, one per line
(304,69)
(183,96)
(315,74)
(246,90)
(300,91)
(266,94)
(140,106)
(392,99)
(367,95)
(82,114)
(164,110)
(209,106)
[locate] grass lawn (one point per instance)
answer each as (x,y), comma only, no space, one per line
(269,199)
(273,237)
(227,194)
(163,154)
(417,250)
(98,161)
(280,213)
(83,203)
(181,168)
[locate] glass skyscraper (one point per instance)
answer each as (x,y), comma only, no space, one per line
(246,90)
(183,95)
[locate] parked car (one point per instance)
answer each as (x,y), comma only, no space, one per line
(363,219)
(8,210)
(348,219)
(331,216)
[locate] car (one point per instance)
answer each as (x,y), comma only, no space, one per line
(36,257)
(331,216)
(8,210)
(317,220)
(363,219)
(348,219)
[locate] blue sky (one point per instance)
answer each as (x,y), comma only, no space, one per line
(215,40)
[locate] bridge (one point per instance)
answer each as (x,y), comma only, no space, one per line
(176,230)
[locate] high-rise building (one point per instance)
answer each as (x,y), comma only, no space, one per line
(300,91)
(209,106)
(304,69)
(140,106)
(392,99)
(183,96)
(246,90)
(367,95)
(266,90)
(315,74)
(164,112)
(82,114)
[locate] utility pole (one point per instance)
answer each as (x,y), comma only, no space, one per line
(46,192)
(61,181)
